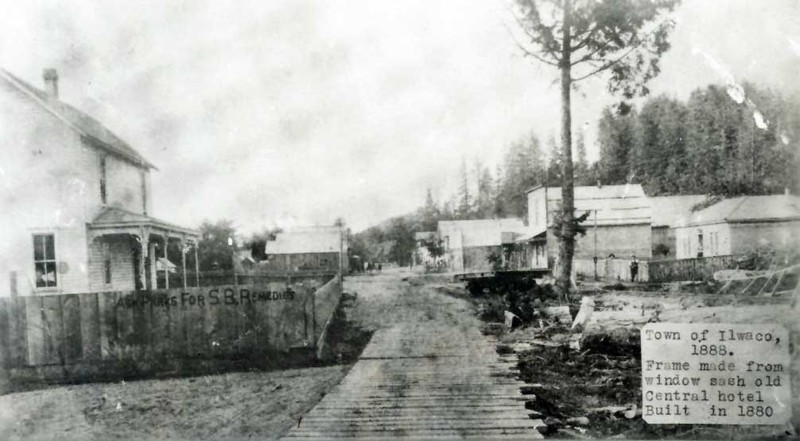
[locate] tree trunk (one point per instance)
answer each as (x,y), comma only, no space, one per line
(566,247)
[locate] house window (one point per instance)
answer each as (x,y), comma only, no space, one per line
(44,260)
(144,191)
(700,243)
(103,194)
(107,271)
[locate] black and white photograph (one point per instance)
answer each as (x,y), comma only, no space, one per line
(415,220)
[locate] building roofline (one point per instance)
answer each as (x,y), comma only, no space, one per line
(771,220)
(27,90)
(142,220)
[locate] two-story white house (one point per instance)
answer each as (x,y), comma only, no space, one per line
(75,201)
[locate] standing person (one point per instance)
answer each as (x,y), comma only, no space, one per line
(634,268)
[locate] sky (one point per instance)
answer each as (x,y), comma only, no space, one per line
(298,112)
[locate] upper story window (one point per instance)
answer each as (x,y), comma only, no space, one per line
(103,192)
(143,178)
(44,260)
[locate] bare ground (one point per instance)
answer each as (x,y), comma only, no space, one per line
(262,405)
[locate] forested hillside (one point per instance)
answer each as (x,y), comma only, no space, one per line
(723,140)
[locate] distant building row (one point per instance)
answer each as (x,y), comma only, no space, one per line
(622,222)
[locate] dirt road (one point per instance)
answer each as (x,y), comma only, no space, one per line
(427,373)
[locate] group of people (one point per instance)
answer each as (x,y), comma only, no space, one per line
(633,265)
(369,267)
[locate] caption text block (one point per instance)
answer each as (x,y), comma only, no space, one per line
(715,374)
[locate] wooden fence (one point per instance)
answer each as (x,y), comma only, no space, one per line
(658,271)
(610,269)
(326,300)
(701,268)
(222,323)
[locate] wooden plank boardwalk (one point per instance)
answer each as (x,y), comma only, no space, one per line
(424,379)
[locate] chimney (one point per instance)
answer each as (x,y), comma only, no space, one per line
(51,82)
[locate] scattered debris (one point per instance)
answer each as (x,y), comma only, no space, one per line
(584,314)
(504,349)
(582,360)
(511,320)
(560,314)
(617,342)
(493,329)
(578,421)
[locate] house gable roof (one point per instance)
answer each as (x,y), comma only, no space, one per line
(745,209)
(669,211)
(307,240)
(89,128)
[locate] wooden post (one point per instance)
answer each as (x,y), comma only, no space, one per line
(183,260)
(166,259)
(196,265)
(152,256)
(143,238)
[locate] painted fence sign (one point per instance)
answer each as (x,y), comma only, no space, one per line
(226,296)
(223,322)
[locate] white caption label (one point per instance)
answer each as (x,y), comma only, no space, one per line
(715,374)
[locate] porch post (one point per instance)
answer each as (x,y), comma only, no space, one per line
(143,239)
(196,265)
(166,259)
(183,260)
(153,268)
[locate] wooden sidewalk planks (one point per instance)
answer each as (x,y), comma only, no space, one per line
(415,382)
